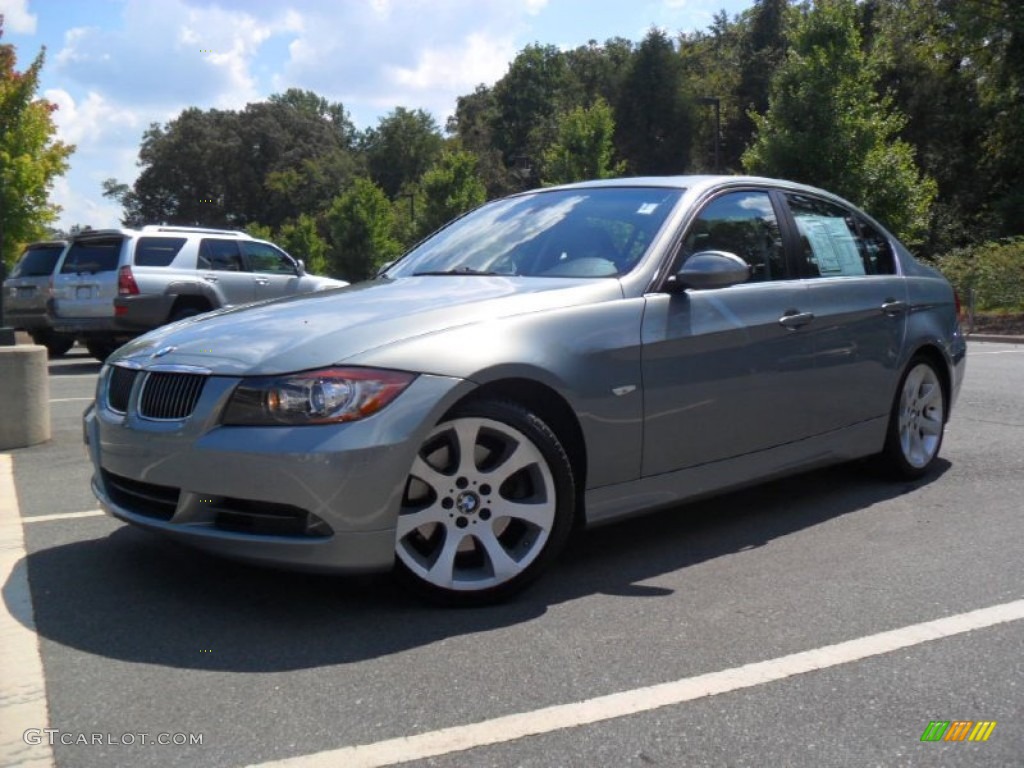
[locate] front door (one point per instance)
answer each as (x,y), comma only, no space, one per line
(724,370)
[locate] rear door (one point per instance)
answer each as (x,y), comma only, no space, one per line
(860,307)
(86,285)
(220,264)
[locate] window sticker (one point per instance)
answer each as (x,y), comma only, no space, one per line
(834,248)
(647,209)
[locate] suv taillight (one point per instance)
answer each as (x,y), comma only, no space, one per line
(126,285)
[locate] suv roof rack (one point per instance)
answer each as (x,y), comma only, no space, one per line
(192,230)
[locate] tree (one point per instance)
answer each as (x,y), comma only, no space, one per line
(527,99)
(30,158)
(827,126)
(654,115)
(449,189)
(302,240)
(268,163)
(401,148)
(584,147)
(360,222)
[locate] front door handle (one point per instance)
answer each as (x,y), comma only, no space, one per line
(262,281)
(892,307)
(210,278)
(793,319)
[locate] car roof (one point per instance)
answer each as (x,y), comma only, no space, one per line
(156,229)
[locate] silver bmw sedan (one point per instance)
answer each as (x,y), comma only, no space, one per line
(559,358)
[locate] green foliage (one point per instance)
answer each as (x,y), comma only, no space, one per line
(360,223)
(268,163)
(527,99)
(827,126)
(401,148)
(654,114)
(302,240)
(30,158)
(994,271)
(262,231)
(583,148)
(450,188)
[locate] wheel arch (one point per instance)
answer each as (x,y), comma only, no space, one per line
(555,411)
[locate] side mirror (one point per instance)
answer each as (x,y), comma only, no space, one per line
(300,267)
(709,269)
(385,267)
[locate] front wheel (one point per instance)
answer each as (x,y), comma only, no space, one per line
(916,423)
(487,506)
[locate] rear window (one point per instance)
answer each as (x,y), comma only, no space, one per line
(92,256)
(37,261)
(157,251)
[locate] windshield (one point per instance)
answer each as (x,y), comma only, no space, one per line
(37,261)
(596,232)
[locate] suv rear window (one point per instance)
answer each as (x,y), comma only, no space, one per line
(92,256)
(157,251)
(37,261)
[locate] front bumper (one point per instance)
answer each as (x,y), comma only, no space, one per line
(342,483)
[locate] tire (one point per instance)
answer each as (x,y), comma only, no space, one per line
(101,350)
(916,424)
(487,507)
(184,312)
(57,344)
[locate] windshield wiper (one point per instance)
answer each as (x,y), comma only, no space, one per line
(455,271)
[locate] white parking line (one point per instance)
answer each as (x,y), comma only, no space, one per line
(62,516)
(511,727)
(70,399)
(22,684)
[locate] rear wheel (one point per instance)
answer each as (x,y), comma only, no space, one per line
(917,422)
(487,506)
(101,350)
(184,312)
(57,344)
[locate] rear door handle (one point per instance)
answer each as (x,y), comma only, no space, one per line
(793,319)
(210,278)
(262,281)
(892,307)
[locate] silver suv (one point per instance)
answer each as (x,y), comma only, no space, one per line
(26,291)
(114,284)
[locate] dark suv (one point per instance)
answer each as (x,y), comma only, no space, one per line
(26,291)
(115,284)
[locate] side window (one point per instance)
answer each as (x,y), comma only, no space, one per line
(220,255)
(878,256)
(268,259)
(742,223)
(157,251)
(835,242)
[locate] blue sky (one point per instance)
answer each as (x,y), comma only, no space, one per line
(115,66)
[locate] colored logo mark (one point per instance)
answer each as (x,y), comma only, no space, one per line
(958,730)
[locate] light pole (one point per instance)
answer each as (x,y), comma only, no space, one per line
(717,103)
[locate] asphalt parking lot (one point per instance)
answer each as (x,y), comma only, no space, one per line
(922,584)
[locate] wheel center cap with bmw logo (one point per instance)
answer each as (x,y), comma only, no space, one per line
(467,502)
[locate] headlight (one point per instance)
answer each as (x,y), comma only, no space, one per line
(326,396)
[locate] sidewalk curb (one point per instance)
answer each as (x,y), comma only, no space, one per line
(995,338)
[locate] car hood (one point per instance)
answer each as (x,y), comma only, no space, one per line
(320,329)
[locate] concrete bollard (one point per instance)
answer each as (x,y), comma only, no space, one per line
(24,396)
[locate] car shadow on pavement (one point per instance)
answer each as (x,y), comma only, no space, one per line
(135,597)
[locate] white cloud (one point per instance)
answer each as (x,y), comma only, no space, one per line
(17,19)
(169,53)
(477,59)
